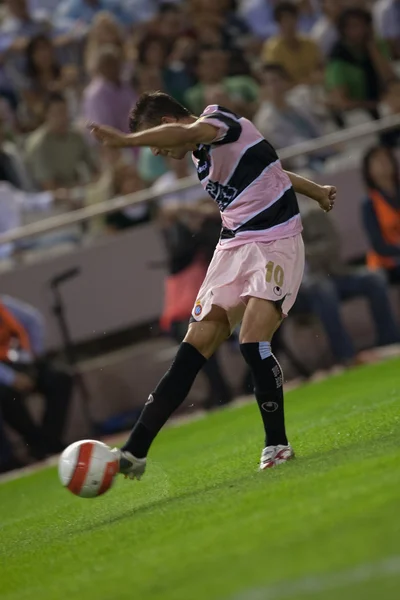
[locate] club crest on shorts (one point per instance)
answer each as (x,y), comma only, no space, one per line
(198,309)
(278,290)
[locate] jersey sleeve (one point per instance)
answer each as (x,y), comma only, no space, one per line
(225,121)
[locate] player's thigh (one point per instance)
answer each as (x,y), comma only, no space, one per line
(209,333)
(261,319)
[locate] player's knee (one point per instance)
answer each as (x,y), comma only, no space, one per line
(207,336)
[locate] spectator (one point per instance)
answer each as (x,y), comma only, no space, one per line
(358,67)
(222,15)
(238,93)
(298,54)
(105,30)
(19,25)
(107,99)
(178,169)
(152,58)
(259,17)
(178,72)
(381,210)
(126,180)
(281,121)
(72,13)
(44,76)
(147,78)
(170,23)
(152,51)
(325,31)
(386,15)
(25,370)
(12,167)
(190,230)
(328,280)
(16,29)
(58,155)
(391,106)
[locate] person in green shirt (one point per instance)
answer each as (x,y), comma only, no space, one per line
(358,68)
(239,93)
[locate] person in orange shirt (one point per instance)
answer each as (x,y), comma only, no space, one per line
(381,210)
(299,55)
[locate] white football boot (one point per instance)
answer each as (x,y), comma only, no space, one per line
(129,465)
(275,455)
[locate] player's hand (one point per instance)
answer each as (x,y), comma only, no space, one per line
(328,197)
(23,383)
(108,136)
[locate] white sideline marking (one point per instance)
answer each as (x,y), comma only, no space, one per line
(318,584)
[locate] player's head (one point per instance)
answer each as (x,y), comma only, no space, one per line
(156,108)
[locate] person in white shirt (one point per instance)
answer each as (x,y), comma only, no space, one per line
(281,120)
(386,15)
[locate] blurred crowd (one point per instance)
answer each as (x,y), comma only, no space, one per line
(300,69)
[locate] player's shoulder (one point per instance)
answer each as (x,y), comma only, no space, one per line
(216,109)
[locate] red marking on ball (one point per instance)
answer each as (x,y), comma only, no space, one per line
(82,468)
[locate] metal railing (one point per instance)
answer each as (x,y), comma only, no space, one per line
(117,204)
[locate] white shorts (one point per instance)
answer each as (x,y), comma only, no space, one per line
(271,271)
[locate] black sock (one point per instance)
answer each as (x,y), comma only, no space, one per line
(168,395)
(268,389)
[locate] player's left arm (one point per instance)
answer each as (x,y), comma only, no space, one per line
(163,136)
(325,195)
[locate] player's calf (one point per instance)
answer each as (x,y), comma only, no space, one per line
(268,389)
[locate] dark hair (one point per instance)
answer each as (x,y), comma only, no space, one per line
(278,69)
(146,42)
(152,107)
(353,13)
(31,68)
(366,165)
(285,8)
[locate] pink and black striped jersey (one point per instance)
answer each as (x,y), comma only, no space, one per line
(242,172)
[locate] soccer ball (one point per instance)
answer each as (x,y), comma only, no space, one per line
(87,468)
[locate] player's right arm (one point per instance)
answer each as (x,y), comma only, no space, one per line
(163,136)
(325,195)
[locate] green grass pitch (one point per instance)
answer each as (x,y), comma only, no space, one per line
(205,525)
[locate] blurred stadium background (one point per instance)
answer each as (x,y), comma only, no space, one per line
(106,248)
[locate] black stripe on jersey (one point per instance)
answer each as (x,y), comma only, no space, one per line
(229,112)
(253,162)
(204,165)
(281,211)
(234,127)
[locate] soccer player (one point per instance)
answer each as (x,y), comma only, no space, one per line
(257,267)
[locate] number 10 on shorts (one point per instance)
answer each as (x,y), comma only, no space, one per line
(274,271)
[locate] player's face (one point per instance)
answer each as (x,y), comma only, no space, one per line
(176,152)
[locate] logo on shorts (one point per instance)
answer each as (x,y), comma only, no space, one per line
(150,400)
(270,406)
(198,309)
(278,290)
